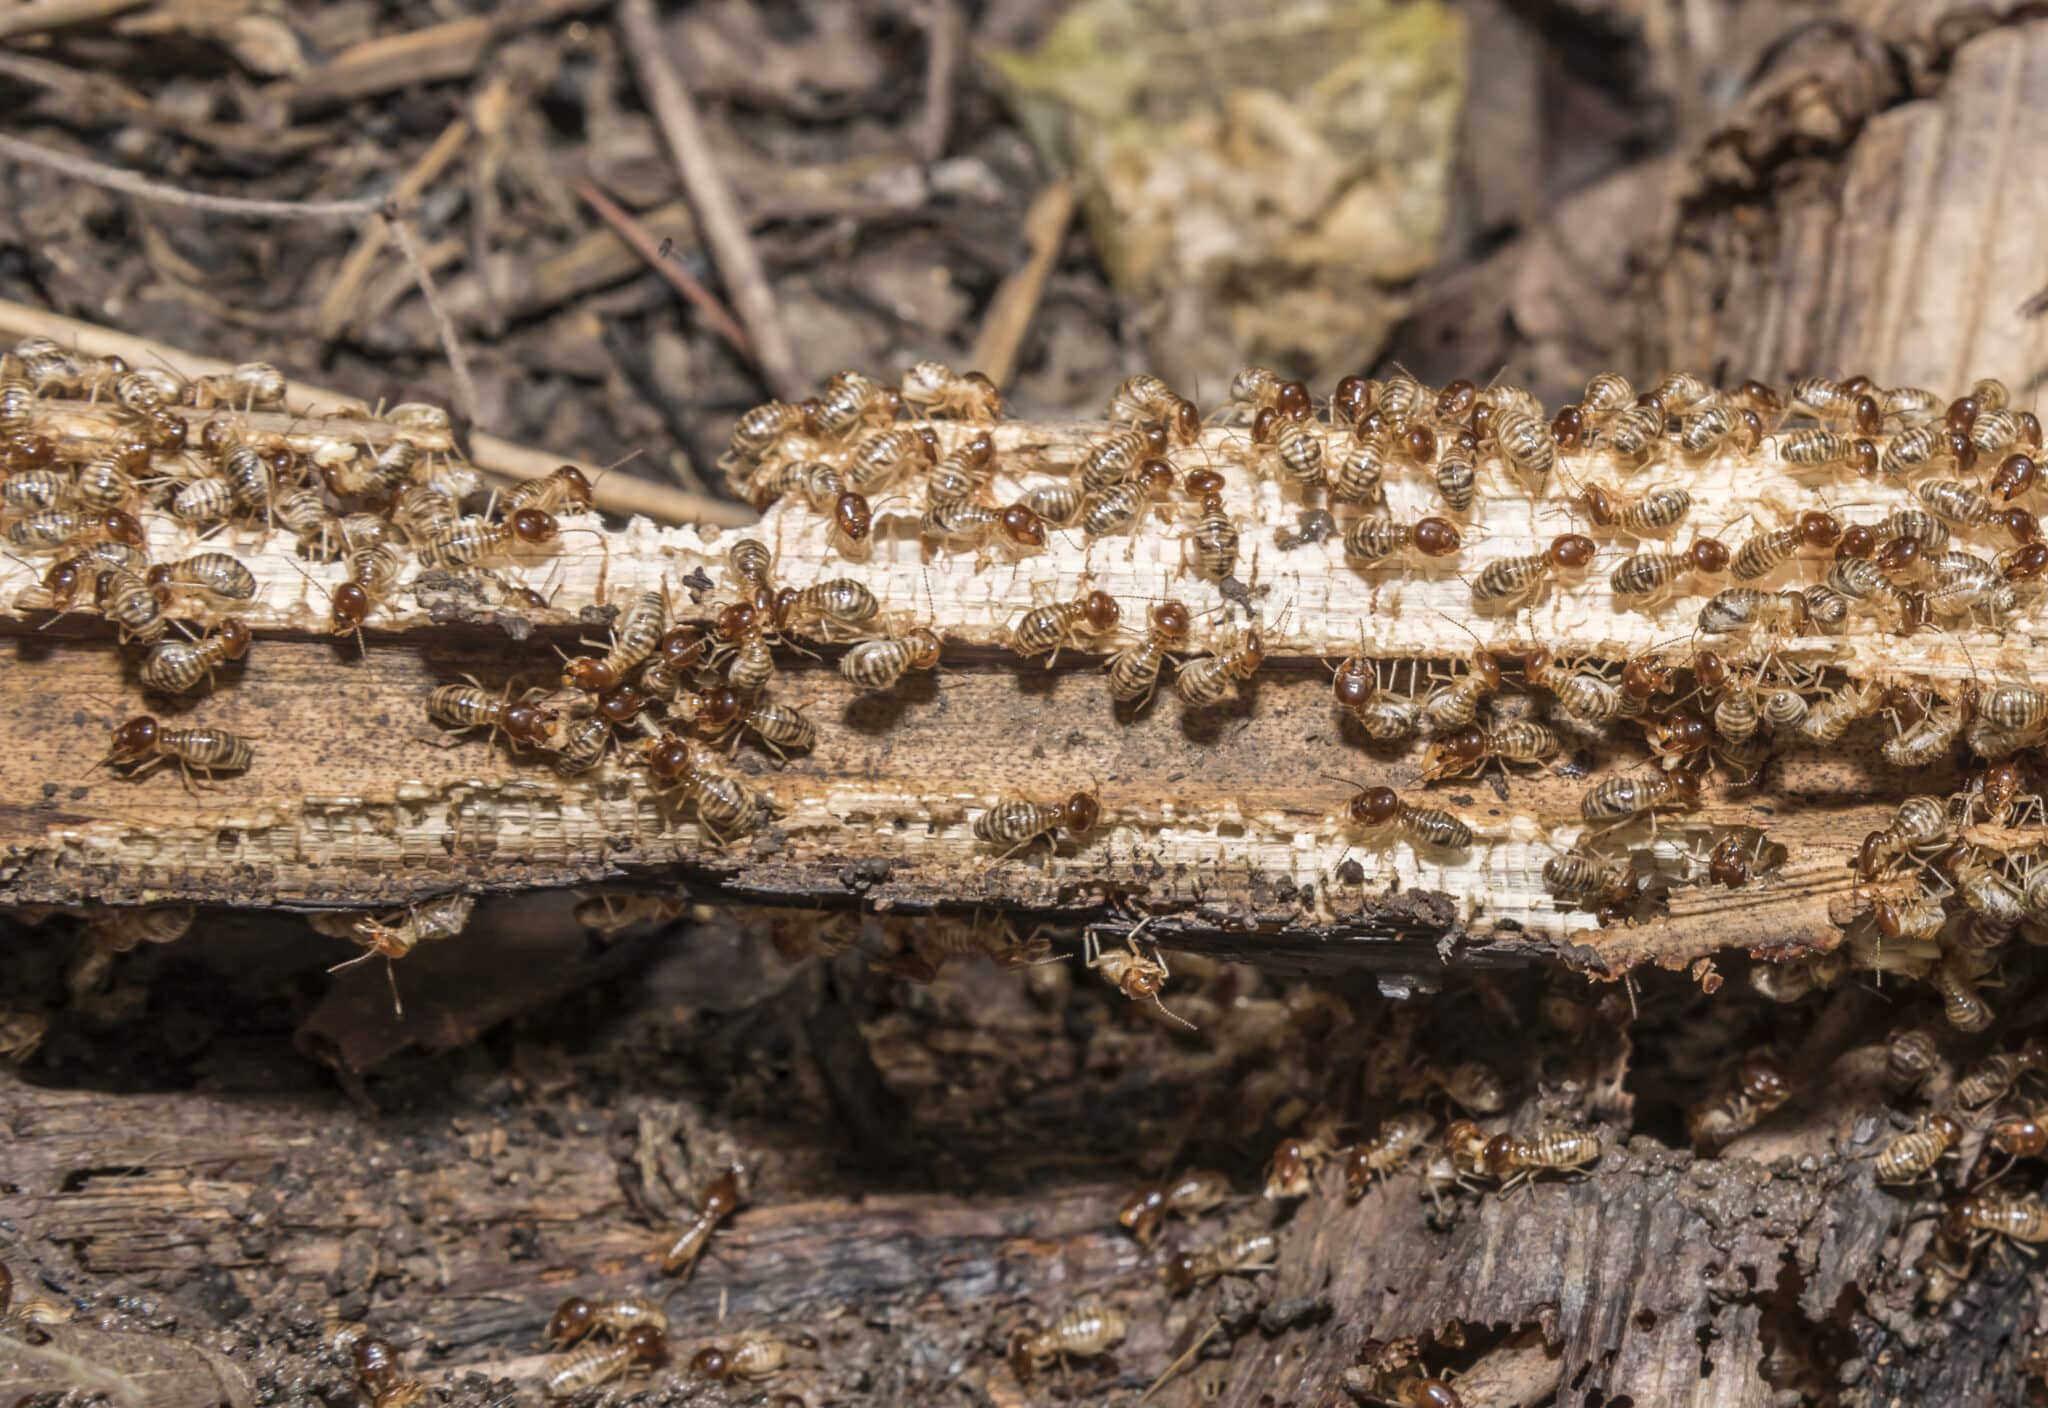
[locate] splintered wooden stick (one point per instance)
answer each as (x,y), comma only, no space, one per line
(1241,799)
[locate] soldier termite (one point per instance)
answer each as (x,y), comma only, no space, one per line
(593,1365)
(937,390)
(1046,630)
(1134,670)
(1018,823)
(1189,1195)
(1376,809)
(1391,1146)
(718,1202)
(1084,1332)
(1207,682)
(578,1317)
(1132,972)
(1510,583)
(1242,1254)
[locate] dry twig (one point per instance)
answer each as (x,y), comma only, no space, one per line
(333,314)
(451,341)
(127,182)
(725,228)
(630,230)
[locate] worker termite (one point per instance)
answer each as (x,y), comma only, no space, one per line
(962,472)
(1524,442)
(1735,609)
(1760,1087)
(1190,1195)
(133,604)
(1984,1214)
(1375,538)
(718,1202)
(1824,449)
(1291,1171)
(1925,731)
(1145,399)
(1243,1254)
(636,635)
(1648,512)
(1215,536)
(1995,1076)
(1513,1158)
(940,392)
(852,402)
(1207,682)
(1391,1145)
(122,929)
(1376,809)
(577,1317)
(462,707)
(752,1358)
(1084,1332)
(1921,823)
(1708,431)
(1299,451)
(1589,881)
(1621,799)
(1121,507)
(1131,971)
(179,666)
(1063,624)
(1962,1004)
(1587,697)
(593,1365)
(726,807)
(1630,434)
(1912,1057)
(473,541)
(1018,823)
(1116,457)
(758,431)
(1918,448)
(1471,748)
(1385,717)
(1760,554)
(1134,670)
(1831,716)
(2022,1136)
(2015,475)
(1510,583)
(879,664)
(211,574)
(57,529)
(1650,576)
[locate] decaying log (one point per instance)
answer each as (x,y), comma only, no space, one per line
(1226,822)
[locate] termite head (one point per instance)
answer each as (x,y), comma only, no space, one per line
(1594,503)
(1099,610)
(351,607)
(573,1319)
(1182,1273)
(528,723)
(1570,550)
(1375,806)
(735,622)
(619,705)
(589,672)
(376,1363)
(1644,676)
(978,448)
(1708,555)
(63,580)
(1080,812)
(1498,1159)
(1184,420)
(924,643)
(1022,1361)
(711,1362)
(852,516)
(1486,668)
(1455,401)
(235,638)
(1709,672)
(1292,400)
(648,1344)
(1420,442)
(1355,683)
(718,706)
(1568,429)
(669,758)
(133,740)
(1202,483)
(928,444)
(1170,619)
(1436,537)
(533,525)
(1265,425)
(122,527)
(1156,478)
(1022,526)
(722,1196)
(1858,540)
(1353,398)
(1142,1210)
(682,646)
